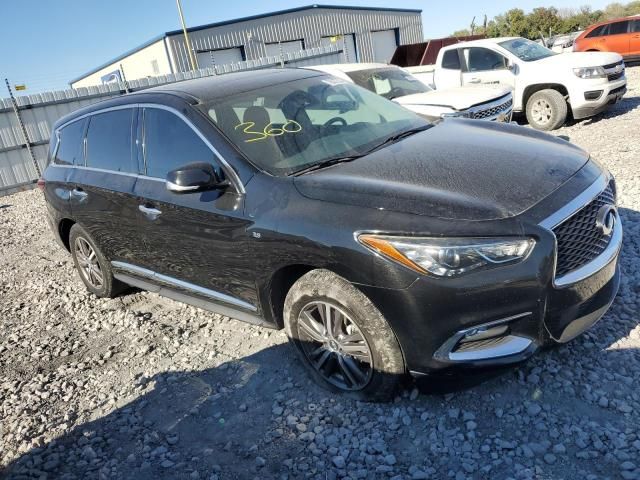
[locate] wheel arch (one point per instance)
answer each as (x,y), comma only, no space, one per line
(277,288)
(64,230)
(531,89)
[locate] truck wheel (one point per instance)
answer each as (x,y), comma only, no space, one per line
(342,338)
(94,269)
(546,110)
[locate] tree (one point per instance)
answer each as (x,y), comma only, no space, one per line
(544,20)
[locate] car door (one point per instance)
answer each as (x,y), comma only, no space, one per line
(634,41)
(486,66)
(449,73)
(197,241)
(102,198)
(618,38)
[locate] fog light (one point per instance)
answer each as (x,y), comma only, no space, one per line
(593,95)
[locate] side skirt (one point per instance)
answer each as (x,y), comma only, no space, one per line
(146,280)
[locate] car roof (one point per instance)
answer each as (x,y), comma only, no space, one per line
(484,41)
(348,67)
(201,90)
(614,20)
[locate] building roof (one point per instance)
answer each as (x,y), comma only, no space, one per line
(238,20)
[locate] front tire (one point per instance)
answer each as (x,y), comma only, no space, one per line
(342,338)
(547,110)
(92,266)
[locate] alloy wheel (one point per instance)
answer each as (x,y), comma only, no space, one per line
(335,346)
(88,263)
(542,111)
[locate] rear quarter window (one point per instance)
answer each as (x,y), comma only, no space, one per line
(598,31)
(109,141)
(69,151)
(451,60)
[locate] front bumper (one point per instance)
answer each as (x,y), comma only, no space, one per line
(612,92)
(502,316)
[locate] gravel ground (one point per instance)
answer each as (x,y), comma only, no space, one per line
(143,387)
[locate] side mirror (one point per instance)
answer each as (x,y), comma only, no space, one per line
(511,66)
(194,177)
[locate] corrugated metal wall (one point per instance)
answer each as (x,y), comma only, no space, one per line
(39,112)
(309,26)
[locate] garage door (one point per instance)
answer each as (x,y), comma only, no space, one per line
(345,42)
(384,45)
(273,49)
(219,57)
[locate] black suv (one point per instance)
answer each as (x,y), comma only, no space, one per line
(382,243)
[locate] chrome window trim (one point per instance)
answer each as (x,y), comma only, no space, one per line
(235,179)
(180,284)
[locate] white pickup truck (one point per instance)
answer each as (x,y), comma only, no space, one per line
(489,102)
(547,86)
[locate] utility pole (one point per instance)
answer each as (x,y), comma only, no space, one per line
(192,58)
(23,129)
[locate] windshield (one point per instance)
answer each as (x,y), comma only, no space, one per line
(292,126)
(388,82)
(526,49)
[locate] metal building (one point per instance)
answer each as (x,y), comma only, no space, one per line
(364,34)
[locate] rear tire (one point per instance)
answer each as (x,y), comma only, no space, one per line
(358,354)
(93,268)
(547,110)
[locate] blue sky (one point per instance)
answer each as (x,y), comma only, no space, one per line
(45,43)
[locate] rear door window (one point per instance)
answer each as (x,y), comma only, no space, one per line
(451,60)
(170,143)
(70,151)
(636,26)
(618,27)
(109,141)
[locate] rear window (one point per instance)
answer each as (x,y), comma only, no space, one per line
(618,27)
(70,147)
(451,60)
(109,144)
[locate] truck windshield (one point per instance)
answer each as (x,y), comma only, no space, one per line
(389,82)
(526,50)
(292,126)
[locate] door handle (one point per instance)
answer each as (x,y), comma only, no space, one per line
(150,212)
(475,80)
(79,193)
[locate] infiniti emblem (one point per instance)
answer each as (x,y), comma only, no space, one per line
(606,219)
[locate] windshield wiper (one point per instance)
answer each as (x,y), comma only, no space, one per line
(399,136)
(348,158)
(328,163)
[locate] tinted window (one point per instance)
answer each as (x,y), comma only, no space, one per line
(598,31)
(636,26)
(451,60)
(484,59)
(109,141)
(170,143)
(618,28)
(70,146)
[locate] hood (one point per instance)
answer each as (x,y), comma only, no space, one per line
(458,169)
(458,98)
(580,59)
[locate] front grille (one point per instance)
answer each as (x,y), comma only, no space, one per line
(615,76)
(612,65)
(579,240)
(492,112)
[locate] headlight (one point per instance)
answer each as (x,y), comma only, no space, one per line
(590,72)
(456,115)
(449,257)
